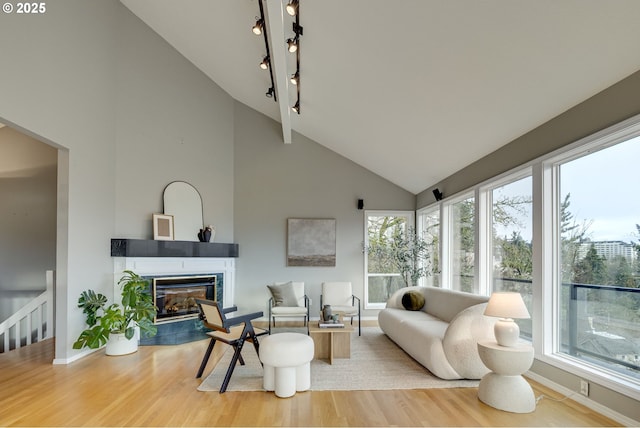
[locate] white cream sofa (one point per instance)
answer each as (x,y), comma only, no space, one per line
(443,335)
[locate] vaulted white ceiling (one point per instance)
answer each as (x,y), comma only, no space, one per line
(413,90)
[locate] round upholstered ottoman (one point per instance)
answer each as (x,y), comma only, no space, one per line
(286,359)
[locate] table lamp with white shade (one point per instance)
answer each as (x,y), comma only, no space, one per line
(506,306)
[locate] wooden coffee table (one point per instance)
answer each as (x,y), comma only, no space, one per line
(331,342)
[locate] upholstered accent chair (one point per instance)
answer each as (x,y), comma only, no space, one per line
(342,300)
(288,300)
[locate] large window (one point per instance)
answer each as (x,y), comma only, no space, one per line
(429,229)
(564,232)
(462,244)
(598,211)
(511,242)
(382,276)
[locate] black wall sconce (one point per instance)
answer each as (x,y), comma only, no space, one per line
(438,194)
(360,204)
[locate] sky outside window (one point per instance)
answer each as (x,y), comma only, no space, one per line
(605,189)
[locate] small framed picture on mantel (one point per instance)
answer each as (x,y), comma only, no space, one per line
(163,227)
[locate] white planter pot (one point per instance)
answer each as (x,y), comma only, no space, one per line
(118,344)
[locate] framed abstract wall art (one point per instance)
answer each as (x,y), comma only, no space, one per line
(311,242)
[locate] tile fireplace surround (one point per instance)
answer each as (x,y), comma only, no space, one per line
(152,259)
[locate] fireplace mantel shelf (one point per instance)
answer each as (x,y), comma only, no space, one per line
(151,248)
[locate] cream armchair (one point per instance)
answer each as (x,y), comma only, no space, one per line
(342,300)
(288,300)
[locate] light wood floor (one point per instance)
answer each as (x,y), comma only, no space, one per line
(156,387)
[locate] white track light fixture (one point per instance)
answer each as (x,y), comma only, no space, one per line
(292,7)
(292,44)
(258,27)
(270,92)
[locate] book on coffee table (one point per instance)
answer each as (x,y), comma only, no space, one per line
(326,324)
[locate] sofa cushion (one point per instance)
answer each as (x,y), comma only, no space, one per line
(283,295)
(289,311)
(412,300)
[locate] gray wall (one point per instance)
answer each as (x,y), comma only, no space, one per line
(613,105)
(173,123)
(128,115)
(27,218)
(604,109)
(57,84)
(275,181)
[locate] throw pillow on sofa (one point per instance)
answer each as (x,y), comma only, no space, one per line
(412,300)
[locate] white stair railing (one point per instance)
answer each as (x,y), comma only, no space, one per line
(37,314)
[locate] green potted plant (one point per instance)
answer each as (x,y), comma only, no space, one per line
(115,325)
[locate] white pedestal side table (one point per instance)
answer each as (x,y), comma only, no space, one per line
(505,388)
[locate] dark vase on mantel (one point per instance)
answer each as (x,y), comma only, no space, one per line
(205,234)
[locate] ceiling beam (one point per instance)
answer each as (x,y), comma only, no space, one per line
(277,42)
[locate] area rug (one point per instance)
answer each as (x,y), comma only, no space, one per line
(376,363)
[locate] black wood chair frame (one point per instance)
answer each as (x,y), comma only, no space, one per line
(234,331)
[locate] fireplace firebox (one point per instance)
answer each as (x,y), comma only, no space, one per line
(183,271)
(175,296)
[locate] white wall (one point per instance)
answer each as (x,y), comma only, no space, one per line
(275,181)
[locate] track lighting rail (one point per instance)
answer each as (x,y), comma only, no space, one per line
(295,79)
(271,25)
(258,29)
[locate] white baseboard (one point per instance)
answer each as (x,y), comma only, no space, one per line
(355,319)
(317,318)
(75,357)
(585,401)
